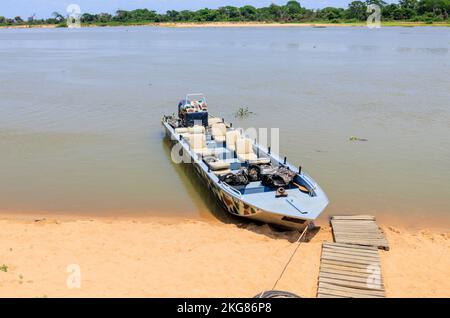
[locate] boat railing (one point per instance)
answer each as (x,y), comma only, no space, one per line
(230,188)
(309,180)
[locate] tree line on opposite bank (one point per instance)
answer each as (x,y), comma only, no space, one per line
(427,11)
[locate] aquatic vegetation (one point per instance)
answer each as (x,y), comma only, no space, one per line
(242,113)
(353,138)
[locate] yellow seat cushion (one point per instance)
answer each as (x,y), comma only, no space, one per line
(214,120)
(181,130)
(219,165)
(222,172)
(247,157)
(230,138)
(244,146)
(218,131)
(196,129)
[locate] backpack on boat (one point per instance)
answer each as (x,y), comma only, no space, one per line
(236,179)
(277,177)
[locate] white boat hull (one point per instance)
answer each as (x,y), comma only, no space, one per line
(232,202)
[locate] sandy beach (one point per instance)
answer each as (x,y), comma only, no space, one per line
(150,257)
(233,25)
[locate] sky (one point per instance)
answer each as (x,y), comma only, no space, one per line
(44,8)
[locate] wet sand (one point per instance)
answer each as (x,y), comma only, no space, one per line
(171,257)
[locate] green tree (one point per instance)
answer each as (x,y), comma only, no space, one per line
(356,10)
(408,4)
(437,7)
(87,18)
(207,15)
(249,13)
(294,10)
(122,16)
(391,12)
(414,10)
(185,15)
(173,15)
(140,15)
(276,12)
(230,13)
(331,14)
(379,3)
(104,17)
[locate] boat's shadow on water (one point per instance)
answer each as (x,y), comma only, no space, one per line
(201,194)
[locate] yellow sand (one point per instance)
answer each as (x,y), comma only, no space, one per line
(192,258)
(238,24)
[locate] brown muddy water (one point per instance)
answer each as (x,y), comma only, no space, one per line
(80,112)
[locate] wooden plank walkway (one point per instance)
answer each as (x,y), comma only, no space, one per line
(350,271)
(359,230)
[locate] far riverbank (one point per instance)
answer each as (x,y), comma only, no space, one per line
(232,25)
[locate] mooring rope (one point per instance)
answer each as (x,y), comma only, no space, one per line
(299,241)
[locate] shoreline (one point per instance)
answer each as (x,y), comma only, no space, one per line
(384,221)
(236,25)
(179,257)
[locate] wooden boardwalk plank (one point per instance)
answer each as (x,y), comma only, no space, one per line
(349,254)
(363,234)
(340,293)
(353,217)
(346,260)
(350,251)
(370,259)
(371,248)
(358,230)
(379,243)
(345,283)
(344,263)
(348,270)
(329,296)
(328,270)
(366,235)
(352,290)
(364,280)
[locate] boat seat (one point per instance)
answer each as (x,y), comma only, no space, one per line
(219,165)
(247,157)
(187,132)
(260,161)
(214,120)
(218,132)
(197,142)
(181,130)
(197,129)
(244,151)
(190,130)
(231,137)
(222,172)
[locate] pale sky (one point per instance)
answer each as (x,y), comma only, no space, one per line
(44,8)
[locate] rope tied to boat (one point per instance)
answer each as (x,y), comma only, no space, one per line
(298,243)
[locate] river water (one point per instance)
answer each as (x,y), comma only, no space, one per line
(80,113)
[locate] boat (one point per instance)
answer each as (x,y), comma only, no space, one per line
(246,178)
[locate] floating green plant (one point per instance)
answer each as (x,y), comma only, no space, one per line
(242,113)
(353,138)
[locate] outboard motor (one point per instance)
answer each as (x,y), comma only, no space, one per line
(193,110)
